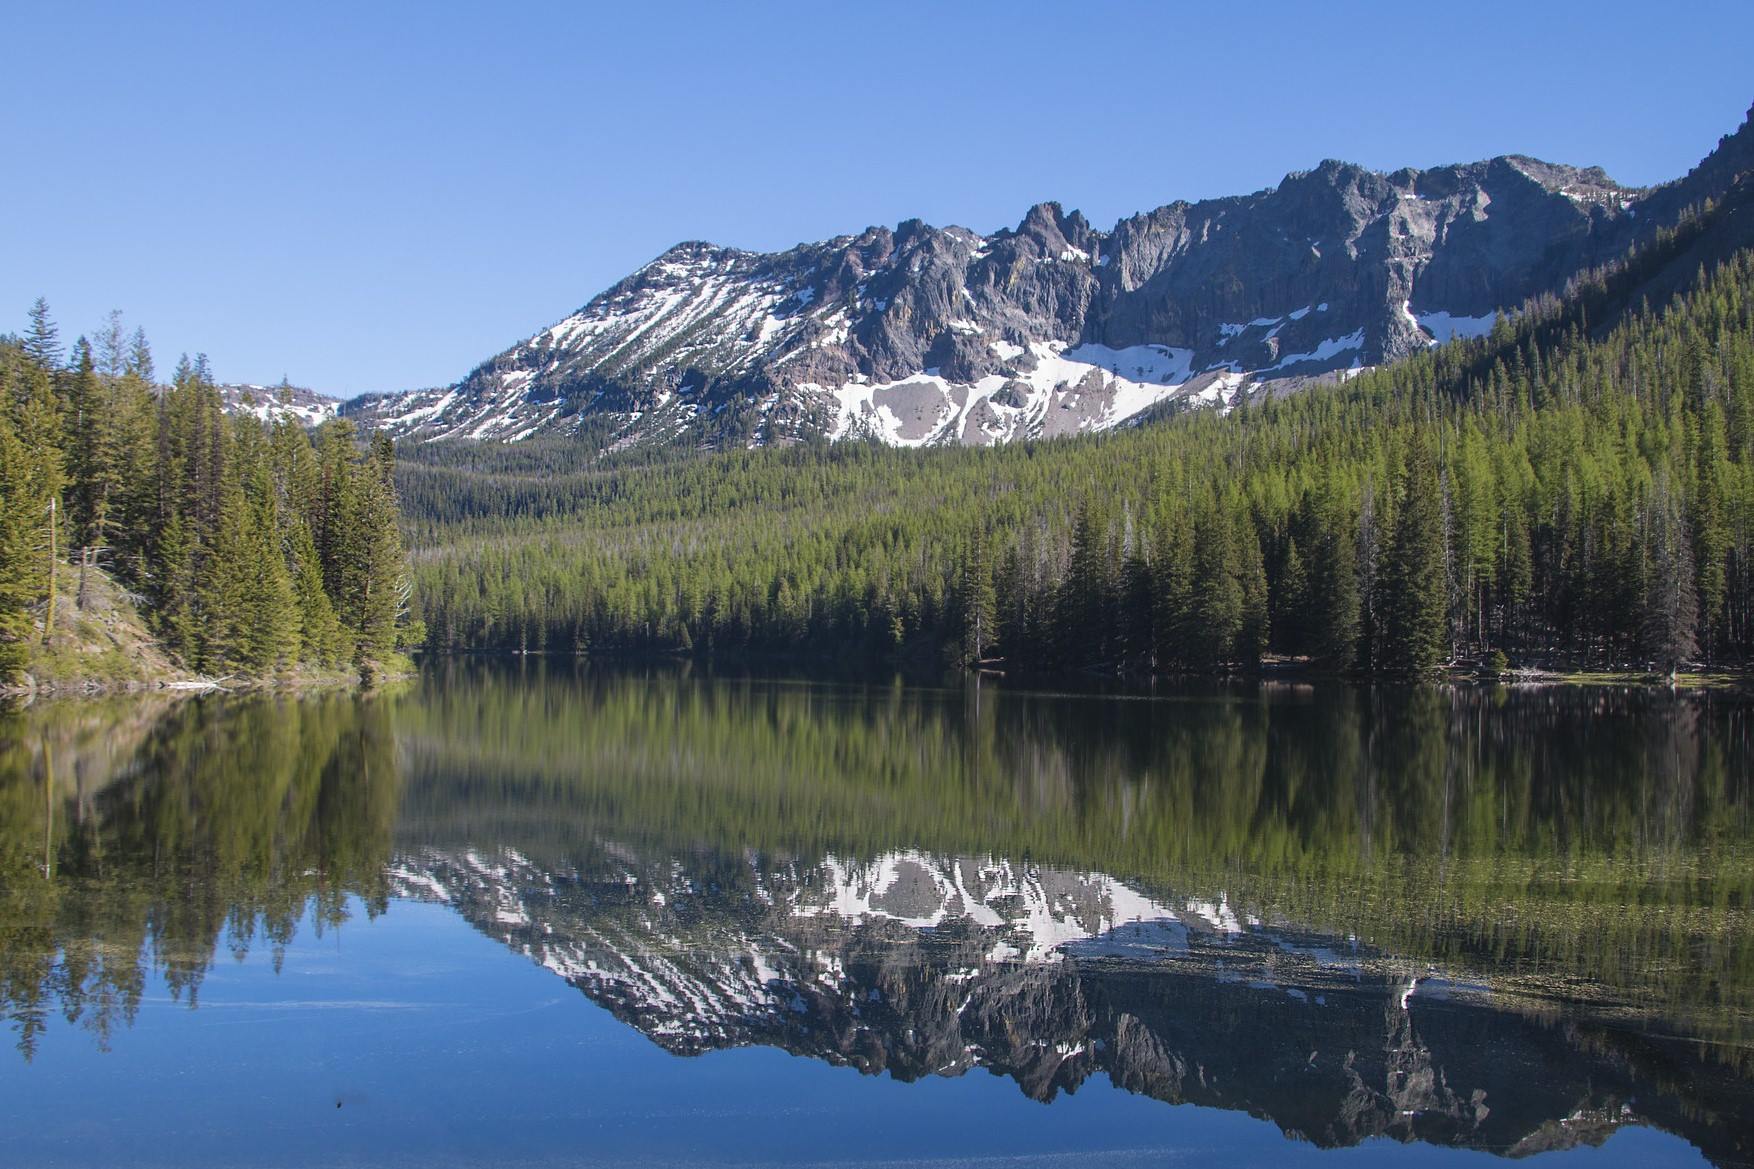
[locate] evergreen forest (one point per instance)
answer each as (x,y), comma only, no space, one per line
(1574,490)
(252,549)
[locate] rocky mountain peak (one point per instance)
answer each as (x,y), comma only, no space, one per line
(922,335)
(1053,230)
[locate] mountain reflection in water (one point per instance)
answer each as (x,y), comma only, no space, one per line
(1502,920)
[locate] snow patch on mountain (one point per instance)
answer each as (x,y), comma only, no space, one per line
(1040,911)
(1445,327)
(273,403)
(1093,386)
(1324,352)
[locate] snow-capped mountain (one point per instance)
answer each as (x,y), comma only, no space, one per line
(272,403)
(921,965)
(924,335)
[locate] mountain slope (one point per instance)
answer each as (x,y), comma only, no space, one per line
(926,335)
(272,403)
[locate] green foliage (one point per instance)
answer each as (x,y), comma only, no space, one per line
(136,837)
(1595,842)
(18,525)
(1592,838)
(211,519)
(1563,493)
(1413,592)
(979,603)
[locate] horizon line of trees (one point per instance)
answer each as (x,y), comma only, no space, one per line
(251,546)
(1556,493)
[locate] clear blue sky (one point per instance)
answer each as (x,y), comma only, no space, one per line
(374,196)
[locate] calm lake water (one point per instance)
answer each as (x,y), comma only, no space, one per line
(542,915)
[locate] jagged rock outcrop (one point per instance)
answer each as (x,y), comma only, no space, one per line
(924,335)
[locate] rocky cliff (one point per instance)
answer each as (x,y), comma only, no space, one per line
(924,335)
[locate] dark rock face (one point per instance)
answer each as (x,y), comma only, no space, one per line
(1338,267)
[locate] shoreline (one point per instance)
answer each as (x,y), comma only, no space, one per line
(192,684)
(1270,670)
(300,682)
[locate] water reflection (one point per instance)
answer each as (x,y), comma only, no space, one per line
(916,966)
(145,835)
(1509,921)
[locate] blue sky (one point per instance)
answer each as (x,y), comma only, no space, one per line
(378,196)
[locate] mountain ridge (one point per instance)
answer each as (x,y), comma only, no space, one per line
(922,335)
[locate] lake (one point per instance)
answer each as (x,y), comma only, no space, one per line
(546,914)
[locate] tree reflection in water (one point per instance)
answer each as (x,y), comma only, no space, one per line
(1507,920)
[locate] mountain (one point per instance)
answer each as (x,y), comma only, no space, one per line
(271,403)
(923,335)
(919,965)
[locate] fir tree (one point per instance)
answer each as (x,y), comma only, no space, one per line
(1413,604)
(978,602)
(42,342)
(1333,587)
(18,556)
(1671,606)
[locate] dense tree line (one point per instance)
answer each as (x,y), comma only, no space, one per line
(1556,492)
(254,548)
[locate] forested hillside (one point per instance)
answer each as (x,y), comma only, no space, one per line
(253,549)
(1562,491)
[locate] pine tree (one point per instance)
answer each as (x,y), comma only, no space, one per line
(1370,559)
(334,517)
(273,615)
(1414,600)
(1251,572)
(93,468)
(223,586)
(18,554)
(134,434)
(140,357)
(36,419)
(1671,605)
(1710,524)
(1085,600)
(1333,586)
(1014,601)
(977,601)
(111,347)
(1474,522)
(42,342)
(1292,616)
(1218,605)
(1172,584)
(375,578)
(212,519)
(319,630)
(1138,608)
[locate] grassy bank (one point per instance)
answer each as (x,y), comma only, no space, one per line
(98,642)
